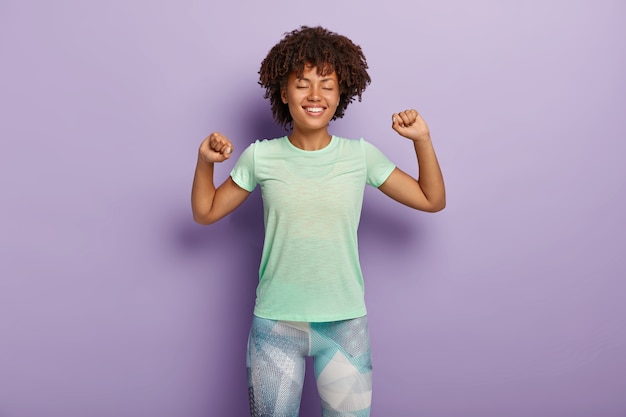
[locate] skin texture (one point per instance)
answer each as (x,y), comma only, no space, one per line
(427,193)
(312,100)
(304,94)
(209,204)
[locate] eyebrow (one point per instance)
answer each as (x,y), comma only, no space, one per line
(322,80)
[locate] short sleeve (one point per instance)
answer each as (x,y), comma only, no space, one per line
(243,173)
(379,167)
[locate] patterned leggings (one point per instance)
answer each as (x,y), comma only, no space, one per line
(342,362)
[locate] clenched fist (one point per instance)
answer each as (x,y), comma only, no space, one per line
(215,148)
(411,125)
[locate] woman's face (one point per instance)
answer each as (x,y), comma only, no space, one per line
(312,98)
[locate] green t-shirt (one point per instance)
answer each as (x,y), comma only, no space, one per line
(312,202)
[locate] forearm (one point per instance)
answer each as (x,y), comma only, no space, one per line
(430,178)
(427,193)
(203,191)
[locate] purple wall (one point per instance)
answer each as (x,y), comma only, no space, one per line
(508,303)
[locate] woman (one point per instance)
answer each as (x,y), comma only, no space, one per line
(310,299)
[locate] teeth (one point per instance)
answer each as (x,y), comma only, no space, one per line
(314,109)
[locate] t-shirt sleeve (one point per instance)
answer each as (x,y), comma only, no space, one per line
(379,167)
(243,171)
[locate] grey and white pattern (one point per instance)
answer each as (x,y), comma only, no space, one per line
(342,362)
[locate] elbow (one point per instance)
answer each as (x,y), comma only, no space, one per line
(434,207)
(439,206)
(438,202)
(203,219)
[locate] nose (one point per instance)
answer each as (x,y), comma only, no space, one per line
(314,94)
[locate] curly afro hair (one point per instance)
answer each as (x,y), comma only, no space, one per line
(321,48)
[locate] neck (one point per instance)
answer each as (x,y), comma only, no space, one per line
(310,141)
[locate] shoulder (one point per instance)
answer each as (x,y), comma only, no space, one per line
(357,147)
(270,143)
(347,144)
(368,147)
(354,143)
(267,146)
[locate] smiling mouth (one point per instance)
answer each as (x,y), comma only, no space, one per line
(314,110)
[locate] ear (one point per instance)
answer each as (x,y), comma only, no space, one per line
(283,95)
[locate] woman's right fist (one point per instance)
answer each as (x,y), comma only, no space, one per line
(215,148)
